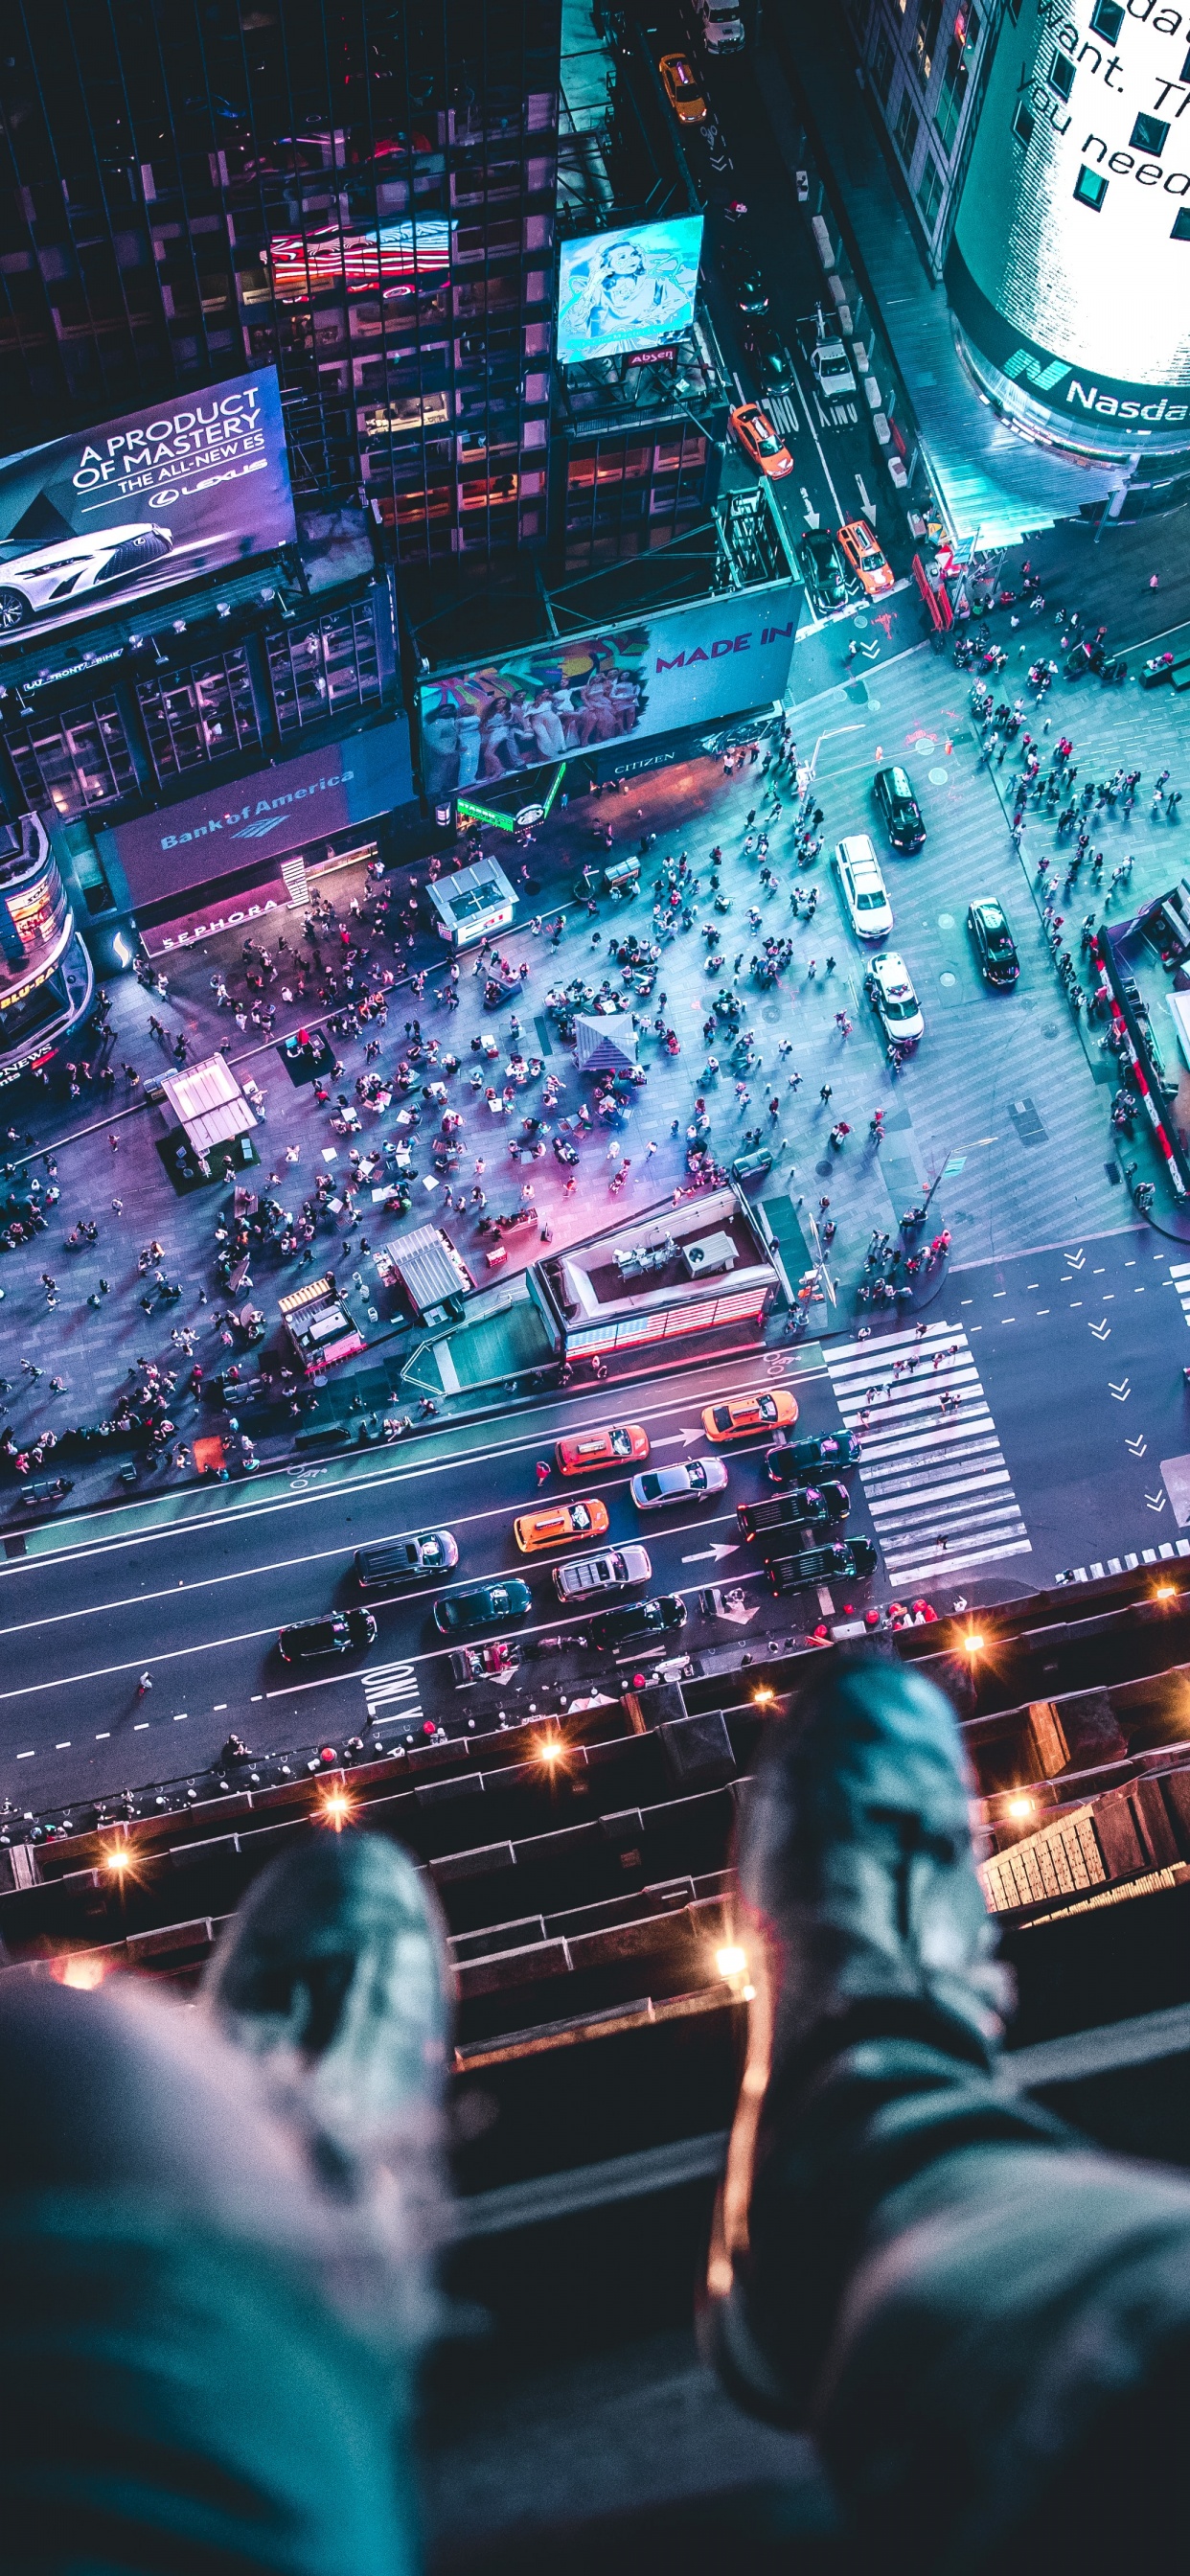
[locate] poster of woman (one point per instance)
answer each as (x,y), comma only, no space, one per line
(628,289)
(571,696)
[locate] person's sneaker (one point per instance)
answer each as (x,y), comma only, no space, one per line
(870,1956)
(334,1973)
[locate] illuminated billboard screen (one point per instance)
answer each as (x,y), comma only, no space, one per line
(1070,265)
(144,503)
(390,255)
(685,666)
(627,290)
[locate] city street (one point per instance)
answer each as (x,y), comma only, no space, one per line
(1069,1449)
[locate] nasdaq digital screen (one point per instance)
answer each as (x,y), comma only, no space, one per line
(1070,265)
(627,290)
(156,498)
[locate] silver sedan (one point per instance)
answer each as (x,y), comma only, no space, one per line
(692,1482)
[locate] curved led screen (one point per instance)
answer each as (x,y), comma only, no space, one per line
(627,290)
(1070,265)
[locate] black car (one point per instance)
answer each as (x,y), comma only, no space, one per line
(769,355)
(830,1449)
(415,1559)
(786,1467)
(900,808)
(483,1608)
(845,1557)
(822,570)
(809,1507)
(748,290)
(995,946)
(342,1632)
(637,1619)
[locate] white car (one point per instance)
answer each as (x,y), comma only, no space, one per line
(889,988)
(830,367)
(614,1571)
(721,26)
(34,581)
(693,1482)
(862,886)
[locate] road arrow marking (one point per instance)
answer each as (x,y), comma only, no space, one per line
(813,517)
(1137,1446)
(866,497)
(669,1438)
(1156,1502)
(1122,1391)
(1076,1259)
(1101,1331)
(710,1555)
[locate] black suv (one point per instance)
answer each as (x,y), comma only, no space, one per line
(770,357)
(342,1632)
(900,808)
(637,1619)
(822,571)
(846,1556)
(811,1507)
(995,946)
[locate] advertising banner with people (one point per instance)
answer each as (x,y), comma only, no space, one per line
(627,290)
(192,486)
(582,693)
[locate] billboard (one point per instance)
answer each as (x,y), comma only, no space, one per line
(304,264)
(619,685)
(189,845)
(1070,265)
(142,504)
(627,290)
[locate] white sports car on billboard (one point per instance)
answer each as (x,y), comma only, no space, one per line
(33,583)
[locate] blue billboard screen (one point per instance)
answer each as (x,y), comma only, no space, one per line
(627,290)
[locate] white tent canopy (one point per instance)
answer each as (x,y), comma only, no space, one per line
(208,1103)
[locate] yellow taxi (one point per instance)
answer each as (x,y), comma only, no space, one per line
(865,562)
(763,1408)
(682,89)
(752,430)
(615,1444)
(558,1522)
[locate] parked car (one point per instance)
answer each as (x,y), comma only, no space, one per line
(832,1449)
(554,1523)
(806,1507)
(899,806)
(694,1481)
(655,1618)
(831,369)
(721,26)
(493,1662)
(612,1445)
(754,432)
(891,994)
(871,567)
(615,1571)
(682,89)
(845,1557)
(822,570)
(744,277)
(484,1607)
(759,1408)
(415,1559)
(765,345)
(862,887)
(995,946)
(342,1632)
(42,580)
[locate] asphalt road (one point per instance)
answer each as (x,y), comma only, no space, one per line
(1069,1447)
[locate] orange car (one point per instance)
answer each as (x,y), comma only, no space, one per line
(682,90)
(871,568)
(762,1409)
(559,1522)
(755,433)
(619,1444)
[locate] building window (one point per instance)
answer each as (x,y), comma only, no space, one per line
(74,760)
(1022,123)
(322,669)
(1061,75)
(960,55)
(882,68)
(1150,136)
(907,129)
(1181,225)
(929,194)
(1107,18)
(1090,189)
(929,20)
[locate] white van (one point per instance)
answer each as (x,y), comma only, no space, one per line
(862,886)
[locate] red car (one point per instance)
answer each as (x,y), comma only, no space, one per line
(754,432)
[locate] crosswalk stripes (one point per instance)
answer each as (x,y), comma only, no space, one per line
(391,1692)
(784,416)
(934,1481)
(1179,1272)
(1094,1572)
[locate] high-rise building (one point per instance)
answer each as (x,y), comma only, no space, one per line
(925,64)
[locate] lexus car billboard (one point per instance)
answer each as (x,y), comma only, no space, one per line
(685,666)
(144,503)
(627,290)
(1069,271)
